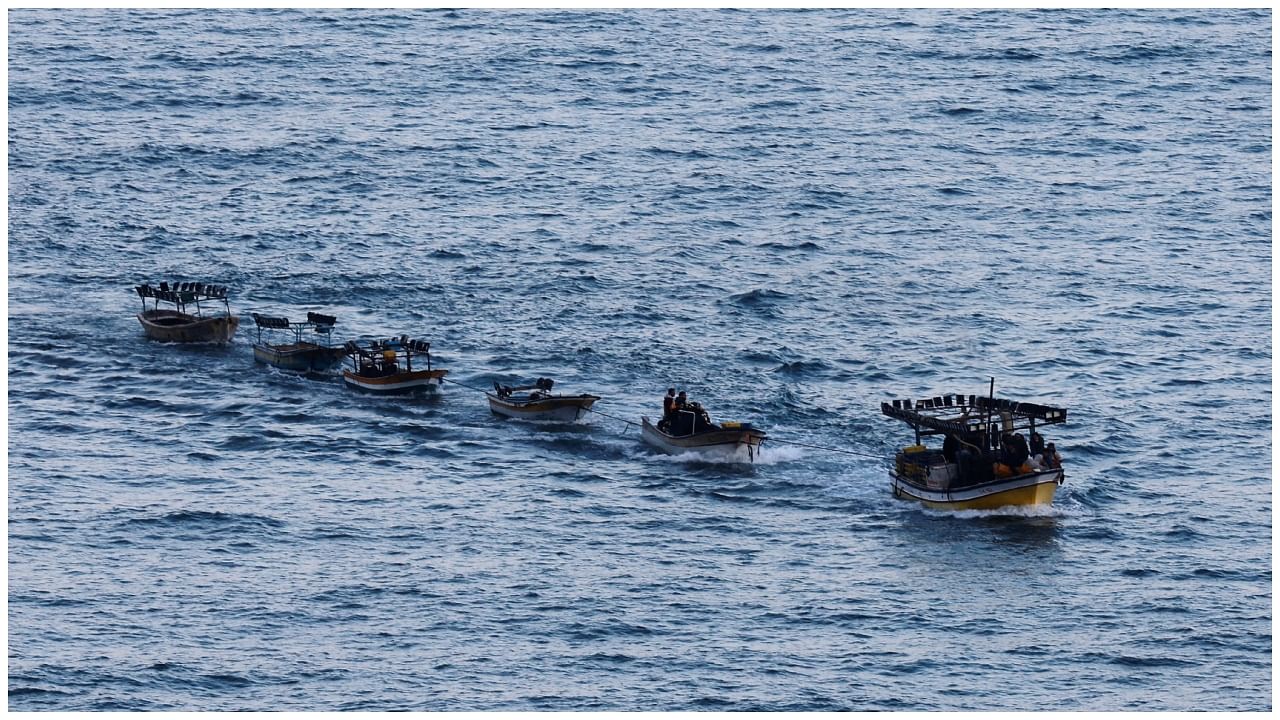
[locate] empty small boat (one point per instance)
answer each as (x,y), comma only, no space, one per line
(184,319)
(535,402)
(299,354)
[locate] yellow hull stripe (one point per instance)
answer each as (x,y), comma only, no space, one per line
(1039,494)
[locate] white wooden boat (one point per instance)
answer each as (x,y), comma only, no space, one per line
(385,367)
(299,355)
(534,402)
(693,432)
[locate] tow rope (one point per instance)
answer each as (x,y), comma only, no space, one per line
(750,449)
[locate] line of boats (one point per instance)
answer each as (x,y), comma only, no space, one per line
(972,469)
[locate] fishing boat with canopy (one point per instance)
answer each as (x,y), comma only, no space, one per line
(984,462)
(190,314)
(535,402)
(386,367)
(298,354)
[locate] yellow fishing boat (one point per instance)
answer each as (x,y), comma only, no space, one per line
(984,462)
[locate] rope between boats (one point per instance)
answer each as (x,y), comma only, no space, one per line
(613,417)
(772,439)
(469,387)
(630,423)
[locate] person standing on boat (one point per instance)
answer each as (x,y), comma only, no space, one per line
(681,418)
(669,404)
(949,447)
(1018,453)
(668,409)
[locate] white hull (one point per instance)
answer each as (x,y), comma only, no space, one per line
(727,444)
(392,385)
(554,409)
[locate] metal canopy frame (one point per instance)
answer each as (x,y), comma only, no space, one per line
(972,416)
(404,347)
(181,294)
(321,324)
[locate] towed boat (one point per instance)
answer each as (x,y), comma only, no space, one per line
(978,466)
(534,402)
(300,355)
(184,319)
(690,430)
(385,367)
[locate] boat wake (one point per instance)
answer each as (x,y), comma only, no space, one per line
(1013,511)
(770,456)
(773,454)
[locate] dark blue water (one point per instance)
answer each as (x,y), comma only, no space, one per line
(794,215)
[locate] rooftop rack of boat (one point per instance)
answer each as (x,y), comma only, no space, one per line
(404,346)
(960,414)
(182,293)
(322,324)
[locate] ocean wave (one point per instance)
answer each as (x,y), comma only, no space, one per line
(791,214)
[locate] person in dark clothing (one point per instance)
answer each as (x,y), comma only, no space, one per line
(1016,452)
(1037,443)
(949,447)
(668,410)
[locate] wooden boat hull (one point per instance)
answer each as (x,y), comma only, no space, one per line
(557,408)
(1035,488)
(299,357)
(729,443)
(177,327)
(398,384)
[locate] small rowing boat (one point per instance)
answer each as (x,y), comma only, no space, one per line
(535,402)
(690,430)
(185,320)
(984,463)
(385,367)
(300,355)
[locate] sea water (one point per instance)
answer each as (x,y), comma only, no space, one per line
(794,216)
